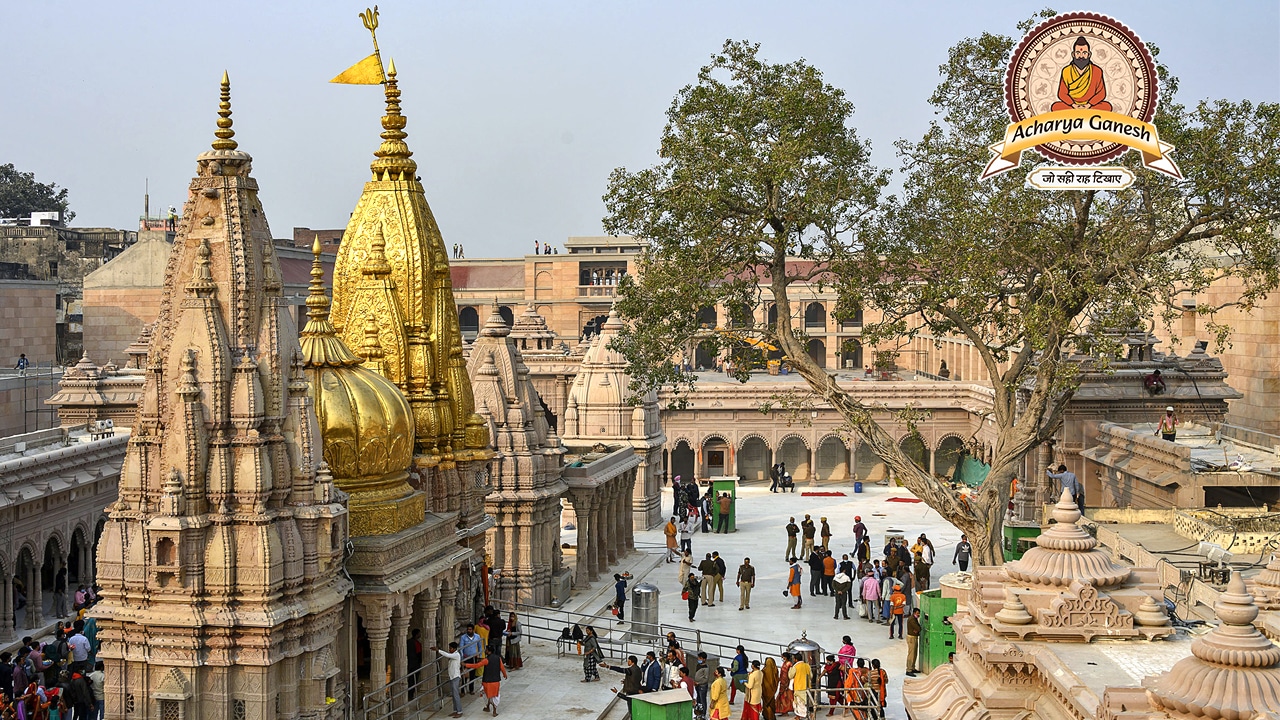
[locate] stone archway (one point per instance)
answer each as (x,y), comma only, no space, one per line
(55,560)
(682,460)
(27,592)
(469,320)
(913,446)
(868,465)
(833,459)
(818,352)
(754,459)
(795,454)
(78,563)
(815,316)
(716,457)
(950,450)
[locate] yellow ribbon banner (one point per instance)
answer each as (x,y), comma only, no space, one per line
(1081,125)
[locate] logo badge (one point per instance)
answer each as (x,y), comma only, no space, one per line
(1081,89)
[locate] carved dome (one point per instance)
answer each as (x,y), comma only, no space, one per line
(1233,674)
(365,423)
(1065,553)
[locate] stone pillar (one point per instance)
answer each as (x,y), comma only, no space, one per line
(35,597)
(628,528)
(399,649)
(1041,480)
(377,651)
(289,691)
(582,518)
(611,522)
(6,605)
(599,555)
(561,401)
(531,569)
(448,615)
(424,617)
(513,569)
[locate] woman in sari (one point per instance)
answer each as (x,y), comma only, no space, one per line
(853,692)
(513,660)
(770,688)
(785,701)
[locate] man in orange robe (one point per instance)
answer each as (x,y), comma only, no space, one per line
(1081,85)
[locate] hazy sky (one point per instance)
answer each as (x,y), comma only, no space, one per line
(517,111)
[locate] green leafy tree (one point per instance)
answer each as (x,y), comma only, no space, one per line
(21,195)
(762,178)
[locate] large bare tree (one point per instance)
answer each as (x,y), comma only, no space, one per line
(762,181)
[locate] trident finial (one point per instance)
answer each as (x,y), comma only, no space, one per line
(370,20)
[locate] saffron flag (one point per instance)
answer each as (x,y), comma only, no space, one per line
(366,72)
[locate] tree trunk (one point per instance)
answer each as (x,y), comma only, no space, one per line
(990,505)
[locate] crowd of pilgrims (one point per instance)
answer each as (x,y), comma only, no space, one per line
(769,687)
(60,679)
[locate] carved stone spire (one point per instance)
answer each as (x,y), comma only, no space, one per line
(207,525)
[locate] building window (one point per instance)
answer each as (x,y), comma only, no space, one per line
(128,704)
(164,552)
(170,710)
(237,710)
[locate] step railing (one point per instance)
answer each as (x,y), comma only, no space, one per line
(619,641)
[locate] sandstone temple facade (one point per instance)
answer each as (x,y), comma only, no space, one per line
(221,559)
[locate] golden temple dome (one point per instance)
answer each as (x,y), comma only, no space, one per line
(365,423)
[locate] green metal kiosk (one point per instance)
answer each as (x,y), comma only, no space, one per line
(937,638)
(721,485)
(662,705)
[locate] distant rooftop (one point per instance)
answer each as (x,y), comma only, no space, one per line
(603,244)
(1212,452)
(40,442)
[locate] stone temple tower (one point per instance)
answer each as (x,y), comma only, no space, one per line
(220,561)
(601,409)
(525,543)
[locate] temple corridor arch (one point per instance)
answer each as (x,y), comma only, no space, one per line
(682,458)
(754,459)
(949,453)
(868,466)
(833,459)
(913,446)
(716,457)
(818,352)
(795,453)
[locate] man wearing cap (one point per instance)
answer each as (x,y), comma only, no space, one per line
(808,529)
(859,530)
(793,531)
(1168,428)
(826,535)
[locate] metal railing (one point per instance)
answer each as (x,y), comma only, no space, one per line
(425,689)
(618,641)
(865,700)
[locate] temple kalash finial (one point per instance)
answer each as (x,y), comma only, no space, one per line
(224,133)
(394,157)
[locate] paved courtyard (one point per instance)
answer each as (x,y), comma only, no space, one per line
(548,683)
(761,535)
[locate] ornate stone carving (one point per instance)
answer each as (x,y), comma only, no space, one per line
(1084,609)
